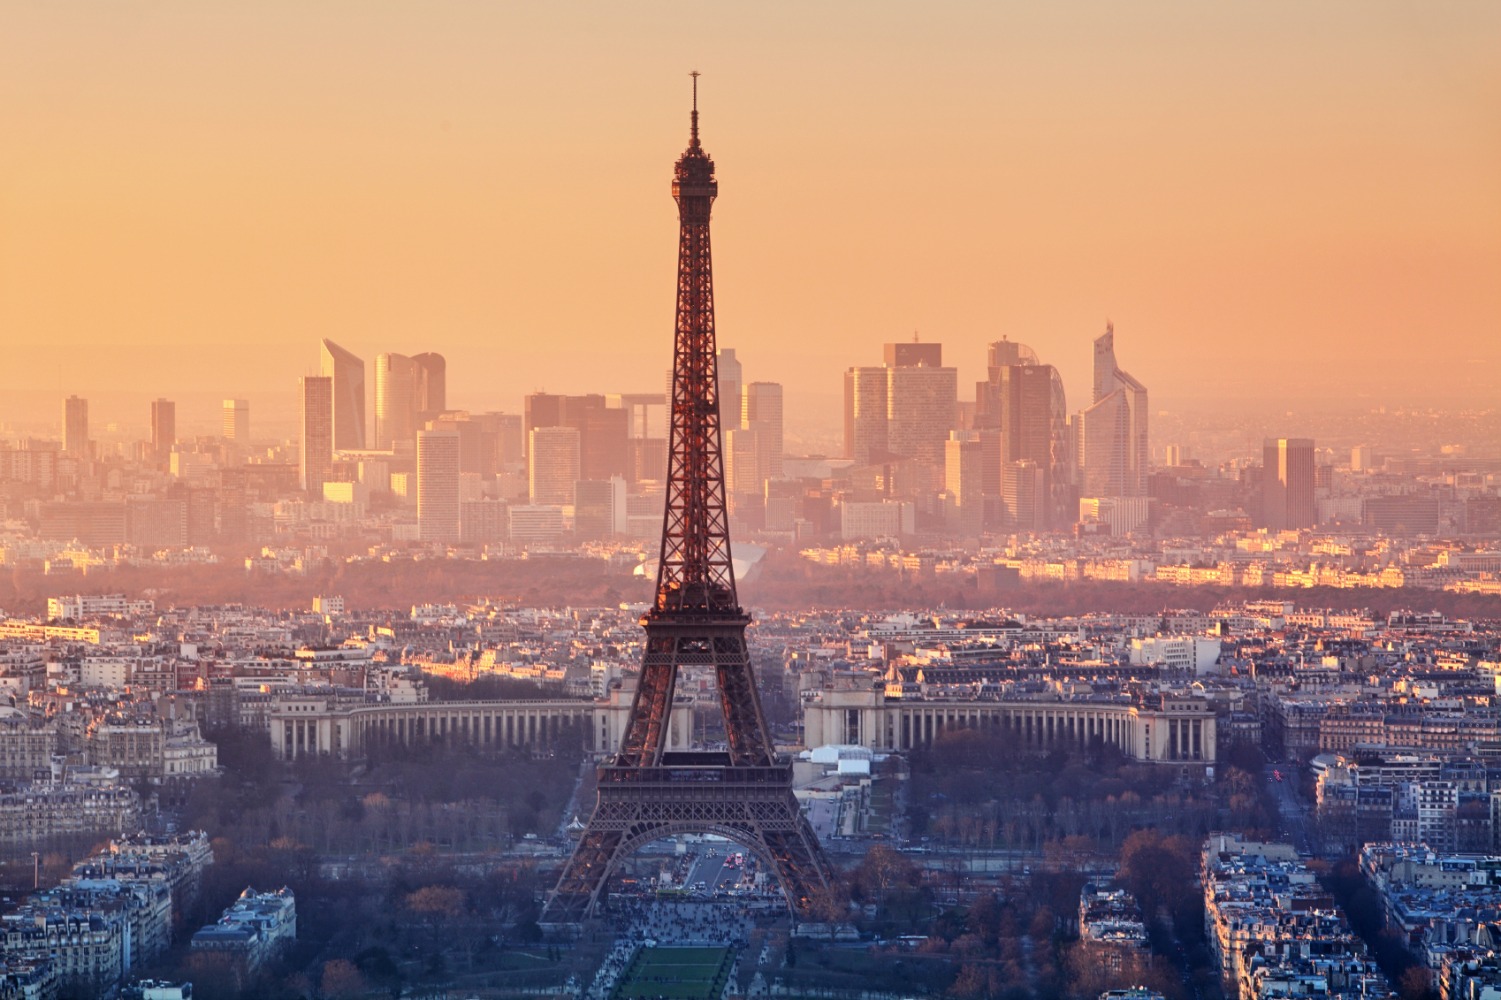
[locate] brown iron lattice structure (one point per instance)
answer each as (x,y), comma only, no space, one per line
(647,792)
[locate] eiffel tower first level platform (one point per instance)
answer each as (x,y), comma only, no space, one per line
(692,793)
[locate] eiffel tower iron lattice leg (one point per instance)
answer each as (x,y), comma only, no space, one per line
(648,792)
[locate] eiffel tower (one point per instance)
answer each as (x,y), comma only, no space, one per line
(647,791)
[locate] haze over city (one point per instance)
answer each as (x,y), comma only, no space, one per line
(1280,202)
(1052,553)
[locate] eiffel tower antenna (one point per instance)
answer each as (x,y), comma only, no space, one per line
(652,788)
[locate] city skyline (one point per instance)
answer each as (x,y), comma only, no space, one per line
(1113,165)
(1230,696)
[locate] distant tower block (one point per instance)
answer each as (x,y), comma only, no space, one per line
(648,792)
(76,427)
(236,425)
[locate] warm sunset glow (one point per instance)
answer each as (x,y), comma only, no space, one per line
(1268,199)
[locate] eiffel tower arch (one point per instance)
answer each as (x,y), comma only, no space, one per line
(646,791)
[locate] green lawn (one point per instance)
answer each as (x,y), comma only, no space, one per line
(679,973)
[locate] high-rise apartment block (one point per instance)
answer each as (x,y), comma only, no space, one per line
(163,428)
(76,427)
(316,456)
(1112,433)
(438,486)
(553,464)
(347,378)
(236,426)
(1287,496)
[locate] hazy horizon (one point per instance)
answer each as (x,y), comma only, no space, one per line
(1273,203)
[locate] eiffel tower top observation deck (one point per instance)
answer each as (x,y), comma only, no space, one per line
(695,577)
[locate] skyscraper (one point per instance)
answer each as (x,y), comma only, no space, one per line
(731,378)
(1022,487)
(430,389)
(163,428)
(902,413)
(438,486)
(1113,448)
(865,415)
(347,375)
(964,463)
(553,464)
(76,427)
(395,400)
(316,456)
(1287,484)
(912,354)
(922,405)
(1022,401)
(761,411)
(599,508)
(236,425)
(602,429)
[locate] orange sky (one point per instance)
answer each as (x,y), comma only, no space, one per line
(1273,198)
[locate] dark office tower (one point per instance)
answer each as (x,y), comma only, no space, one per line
(163,428)
(1287,483)
(438,486)
(347,376)
(650,790)
(430,395)
(395,400)
(731,378)
(914,355)
(761,412)
(1022,401)
(1113,455)
(316,455)
(76,427)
